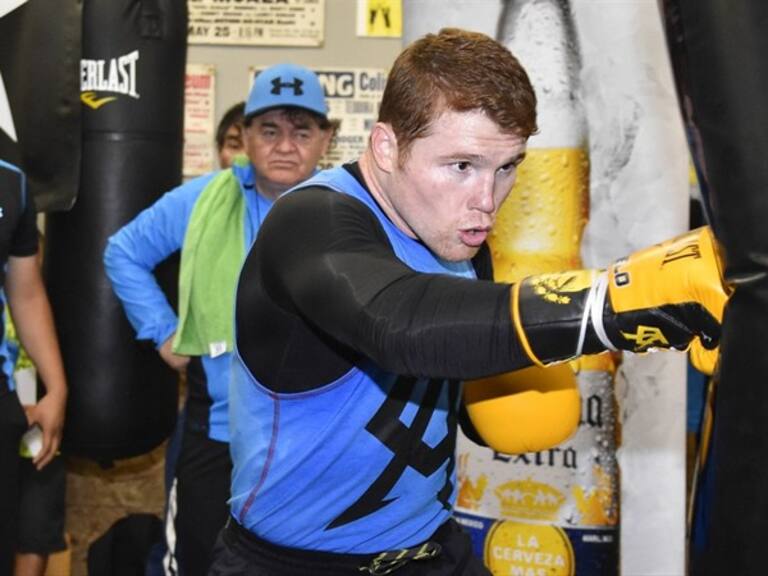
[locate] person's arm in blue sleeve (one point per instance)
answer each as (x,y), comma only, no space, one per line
(133,252)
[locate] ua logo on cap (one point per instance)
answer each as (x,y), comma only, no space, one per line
(278,85)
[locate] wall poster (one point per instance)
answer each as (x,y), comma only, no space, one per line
(199,100)
(257,22)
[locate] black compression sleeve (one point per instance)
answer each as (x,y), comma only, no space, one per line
(323,256)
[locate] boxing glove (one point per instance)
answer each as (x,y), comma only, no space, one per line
(668,296)
(526,410)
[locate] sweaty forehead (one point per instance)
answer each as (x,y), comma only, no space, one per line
(471,132)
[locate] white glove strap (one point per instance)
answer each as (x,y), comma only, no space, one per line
(585,317)
(595,309)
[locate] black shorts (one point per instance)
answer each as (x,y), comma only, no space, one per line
(239,552)
(13,423)
(41,507)
(198,501)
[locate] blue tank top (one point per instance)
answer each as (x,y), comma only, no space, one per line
(312,470)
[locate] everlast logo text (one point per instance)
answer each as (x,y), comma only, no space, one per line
(116,75)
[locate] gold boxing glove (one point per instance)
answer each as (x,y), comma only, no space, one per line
(670,295)
(543,404)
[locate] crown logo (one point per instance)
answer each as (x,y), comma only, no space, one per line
(529,499)
(597,506)
(555,288)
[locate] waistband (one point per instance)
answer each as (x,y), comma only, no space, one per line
(298,562)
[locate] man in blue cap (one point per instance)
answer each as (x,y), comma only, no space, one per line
(213,220)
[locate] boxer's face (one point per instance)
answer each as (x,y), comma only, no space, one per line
(284,151)
(449,187)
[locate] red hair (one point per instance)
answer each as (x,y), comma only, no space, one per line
(461,71)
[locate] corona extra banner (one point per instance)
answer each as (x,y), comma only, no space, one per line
(554,511)
(591,173)
(718,50)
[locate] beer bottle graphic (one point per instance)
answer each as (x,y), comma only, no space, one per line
(547,504)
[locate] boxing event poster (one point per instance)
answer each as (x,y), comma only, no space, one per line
(40,43)
(353,96)
(280,23)
(610,499)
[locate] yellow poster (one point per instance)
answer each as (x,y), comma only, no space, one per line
(380,18)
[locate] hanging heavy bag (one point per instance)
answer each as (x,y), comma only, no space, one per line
(718,52)
(122,399)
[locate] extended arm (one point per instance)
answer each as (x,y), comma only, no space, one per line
(667,296)
(31,311)
(323,257)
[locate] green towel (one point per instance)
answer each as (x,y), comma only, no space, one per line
(213,252)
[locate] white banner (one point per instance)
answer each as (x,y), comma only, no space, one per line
(639,196)
(257,22)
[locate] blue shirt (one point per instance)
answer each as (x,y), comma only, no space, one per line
(156,233)
(307,465)
(19,238)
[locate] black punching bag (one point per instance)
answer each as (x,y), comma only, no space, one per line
(123,398)
(719,53)
(40,97)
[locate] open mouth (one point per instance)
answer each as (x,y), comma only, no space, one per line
(474,236)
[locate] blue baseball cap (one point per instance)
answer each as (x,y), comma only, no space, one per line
(286,85)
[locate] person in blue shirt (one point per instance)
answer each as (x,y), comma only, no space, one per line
(42,492)
(366,300)
(24,292)
(213,220)
(229,145)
